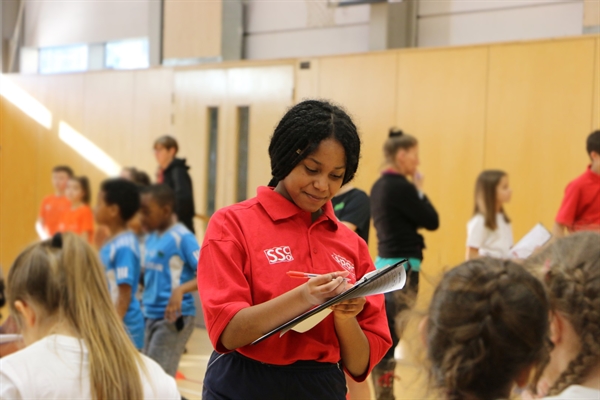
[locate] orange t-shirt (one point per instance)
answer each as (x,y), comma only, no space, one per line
(52,210)
(79,220)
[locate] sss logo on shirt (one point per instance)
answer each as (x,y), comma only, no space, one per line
(279,254)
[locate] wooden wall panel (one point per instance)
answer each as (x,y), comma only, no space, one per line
(365,85)
(194,92)
(152,116)
(596,93)
(539,113)
(268,92)
(19,138)
(192,29)
(441,101)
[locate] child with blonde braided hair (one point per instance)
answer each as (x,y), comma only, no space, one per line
(570,270)
(486,331)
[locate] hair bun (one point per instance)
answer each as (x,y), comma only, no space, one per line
(395,132)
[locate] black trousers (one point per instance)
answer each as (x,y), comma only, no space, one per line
(233,376)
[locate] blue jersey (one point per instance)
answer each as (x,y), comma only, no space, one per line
(171,259)
(121,259)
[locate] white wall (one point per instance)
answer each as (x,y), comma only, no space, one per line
(292,28)
(57,23)
(463,22)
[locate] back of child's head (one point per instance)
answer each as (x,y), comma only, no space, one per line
(161,194)
(570,270)
(397,140)
(63,168)
(168,142)
(486,197)
(593,142)
(124,194)
(84,183)
(141,178)
(64,279)
(303,128)
(487,324)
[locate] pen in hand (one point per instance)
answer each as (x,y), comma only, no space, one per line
(305,275)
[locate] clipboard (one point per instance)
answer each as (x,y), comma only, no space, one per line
(387,279)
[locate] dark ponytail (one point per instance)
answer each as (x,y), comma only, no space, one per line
(303,128)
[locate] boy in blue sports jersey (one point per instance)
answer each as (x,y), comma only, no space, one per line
(118,201)
(170,276)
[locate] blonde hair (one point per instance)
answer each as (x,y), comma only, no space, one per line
(570,270)
(64,277)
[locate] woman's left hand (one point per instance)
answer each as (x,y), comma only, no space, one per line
(349,308)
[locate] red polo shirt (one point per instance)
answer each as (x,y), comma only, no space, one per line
(580,208)
(247,250)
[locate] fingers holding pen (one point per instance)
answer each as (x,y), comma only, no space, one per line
(323,287)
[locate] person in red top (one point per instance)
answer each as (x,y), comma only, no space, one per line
(249,248)
(79,218)
(580,208)
(55,205)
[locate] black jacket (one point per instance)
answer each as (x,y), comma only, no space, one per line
(177,177)
(398,212)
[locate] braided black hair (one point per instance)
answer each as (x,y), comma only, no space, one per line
(303,128)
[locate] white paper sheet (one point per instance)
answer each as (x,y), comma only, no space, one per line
(536,237)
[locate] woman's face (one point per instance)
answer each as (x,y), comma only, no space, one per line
(317,178)
(407,160)
(74,192)
(503,191)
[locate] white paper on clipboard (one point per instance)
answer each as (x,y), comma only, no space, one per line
(536,237)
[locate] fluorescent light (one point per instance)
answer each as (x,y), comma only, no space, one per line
(88,150)
(25,102)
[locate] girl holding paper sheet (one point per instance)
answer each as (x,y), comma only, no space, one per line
(489,232)
(290,226)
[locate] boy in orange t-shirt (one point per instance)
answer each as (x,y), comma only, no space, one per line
(80,217)
(55,205)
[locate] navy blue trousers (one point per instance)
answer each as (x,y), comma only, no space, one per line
(233,376)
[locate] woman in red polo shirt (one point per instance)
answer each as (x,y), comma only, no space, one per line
(249,248)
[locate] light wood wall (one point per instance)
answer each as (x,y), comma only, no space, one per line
(522,107)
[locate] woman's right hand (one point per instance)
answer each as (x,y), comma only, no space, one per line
(323,287)
(417,179)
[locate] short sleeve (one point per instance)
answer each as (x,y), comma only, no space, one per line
(190,251)
(357,209)
(568,208)
(476,232)
(126,262)
(8,387)
(372,319)
(224,289)
(42,214)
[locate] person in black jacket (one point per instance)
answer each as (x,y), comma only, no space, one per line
(174,173)
(399,209)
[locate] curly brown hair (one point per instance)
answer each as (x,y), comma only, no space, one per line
(570,270)
(488,322)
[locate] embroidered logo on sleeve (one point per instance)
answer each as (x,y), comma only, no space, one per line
(347,265)
(279,254)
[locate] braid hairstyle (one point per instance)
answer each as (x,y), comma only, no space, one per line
(488,321)
(303,128)
(570,270)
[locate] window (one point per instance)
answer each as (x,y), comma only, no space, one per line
(242,153)
(127,54)
(213,132)
(63,59)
